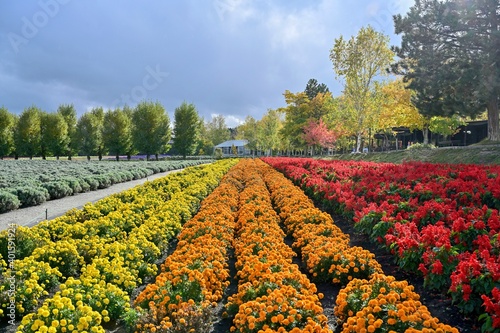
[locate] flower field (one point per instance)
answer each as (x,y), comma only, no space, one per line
(26,183)
(105,264)
(439,221)
(86,264)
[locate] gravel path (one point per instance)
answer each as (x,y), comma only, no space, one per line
(30,216)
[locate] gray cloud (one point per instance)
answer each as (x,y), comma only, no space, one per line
(230,57)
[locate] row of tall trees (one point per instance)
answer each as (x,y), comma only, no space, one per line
(127,131)
(146,128)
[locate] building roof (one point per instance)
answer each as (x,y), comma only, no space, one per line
(230,143)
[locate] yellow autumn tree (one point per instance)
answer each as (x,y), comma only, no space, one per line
(397,110)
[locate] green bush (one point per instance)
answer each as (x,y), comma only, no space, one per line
(114,177)
(58,189)
(92,182)
(421,146)
(136,174)
(74,184)
(218,153)
(31,196)
(85,186)
(127,175)
(154,168)
(104,181)
(8,201)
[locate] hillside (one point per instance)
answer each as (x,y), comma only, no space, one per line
(475,154)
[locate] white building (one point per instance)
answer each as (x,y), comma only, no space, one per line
(227,147)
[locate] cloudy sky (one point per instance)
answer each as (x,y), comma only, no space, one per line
(230,57)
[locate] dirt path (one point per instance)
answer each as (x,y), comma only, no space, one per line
(30,216)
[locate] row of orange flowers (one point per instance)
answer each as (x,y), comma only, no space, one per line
(193,278)
(370,301)
(273,295)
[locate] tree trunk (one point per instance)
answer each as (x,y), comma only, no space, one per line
(117,157)
(493,119)
(88,157)
(156,156)
(57,157)
(358,142)
(425,132)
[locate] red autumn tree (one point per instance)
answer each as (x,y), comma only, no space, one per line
(318,136)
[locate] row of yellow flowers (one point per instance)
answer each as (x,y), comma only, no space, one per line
(195,275)
(273,295)
(100,253)
(370,301)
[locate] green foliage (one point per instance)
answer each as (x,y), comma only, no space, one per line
(89,134)
(58,189)
(8,201)
(419,146)
(452,62)
(131,318)
(104,181)
(268,130)
(217,130)
(234,150)
(445,126)
(117,132)
(68,112)
(313,88)
(27,136)
(74,184)
(151,131)
(54,135)
(186,129)
(218,153)
(248,131)
(92,182)
(31,196)
(297,113)
(7,126)
(358,62)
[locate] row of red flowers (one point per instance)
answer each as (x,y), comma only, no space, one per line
(435,219)
(379,304)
